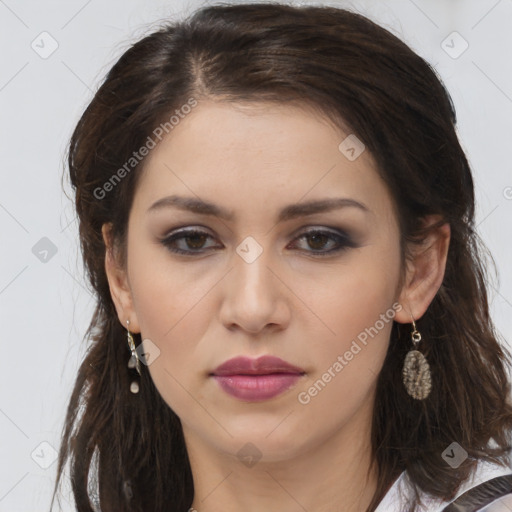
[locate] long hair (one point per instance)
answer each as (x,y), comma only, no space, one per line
(366,80)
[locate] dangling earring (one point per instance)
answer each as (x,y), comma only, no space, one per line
(416,371)
(134,359)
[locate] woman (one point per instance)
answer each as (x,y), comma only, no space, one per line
(277,218)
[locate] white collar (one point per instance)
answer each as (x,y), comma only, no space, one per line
(401,490)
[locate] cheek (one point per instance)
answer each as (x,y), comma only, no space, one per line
(347,364)
(357,307)
(353,296)
(173,311)
(165,292)
(360,322)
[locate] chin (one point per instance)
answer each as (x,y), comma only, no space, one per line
(270,439)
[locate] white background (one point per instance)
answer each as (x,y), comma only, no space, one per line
(45,306)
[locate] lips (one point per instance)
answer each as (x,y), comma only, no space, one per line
(256,379)
(264,365)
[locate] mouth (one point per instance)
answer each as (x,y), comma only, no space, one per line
(256,379)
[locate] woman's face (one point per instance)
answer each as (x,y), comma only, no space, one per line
(254,283)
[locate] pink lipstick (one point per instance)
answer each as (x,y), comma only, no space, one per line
(256,379)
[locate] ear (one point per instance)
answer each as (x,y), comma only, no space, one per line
(118,283)
(425,272)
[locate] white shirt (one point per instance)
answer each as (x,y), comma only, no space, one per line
(393,502)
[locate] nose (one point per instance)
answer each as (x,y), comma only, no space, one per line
(255,297)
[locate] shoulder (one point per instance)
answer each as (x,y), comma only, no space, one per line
(486,481)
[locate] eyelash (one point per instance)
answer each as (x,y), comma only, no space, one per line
(343,240)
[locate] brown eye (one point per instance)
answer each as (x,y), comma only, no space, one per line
(319,241)
(197,241)
(191,241)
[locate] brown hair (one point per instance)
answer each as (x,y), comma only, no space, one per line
(360,76)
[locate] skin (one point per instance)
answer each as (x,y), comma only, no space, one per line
(203,309)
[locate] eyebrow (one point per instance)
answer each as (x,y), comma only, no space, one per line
(195,205)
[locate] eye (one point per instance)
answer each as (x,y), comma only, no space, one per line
(192,241)
(318,239)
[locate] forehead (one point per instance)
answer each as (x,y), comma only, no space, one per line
(257,150)
(241,132)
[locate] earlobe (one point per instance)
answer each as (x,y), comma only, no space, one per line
(118,283)
(425,273)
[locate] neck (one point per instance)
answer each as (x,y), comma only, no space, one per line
(327,477)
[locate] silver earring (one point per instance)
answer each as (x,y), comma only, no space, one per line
(416,372)
(134,359)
